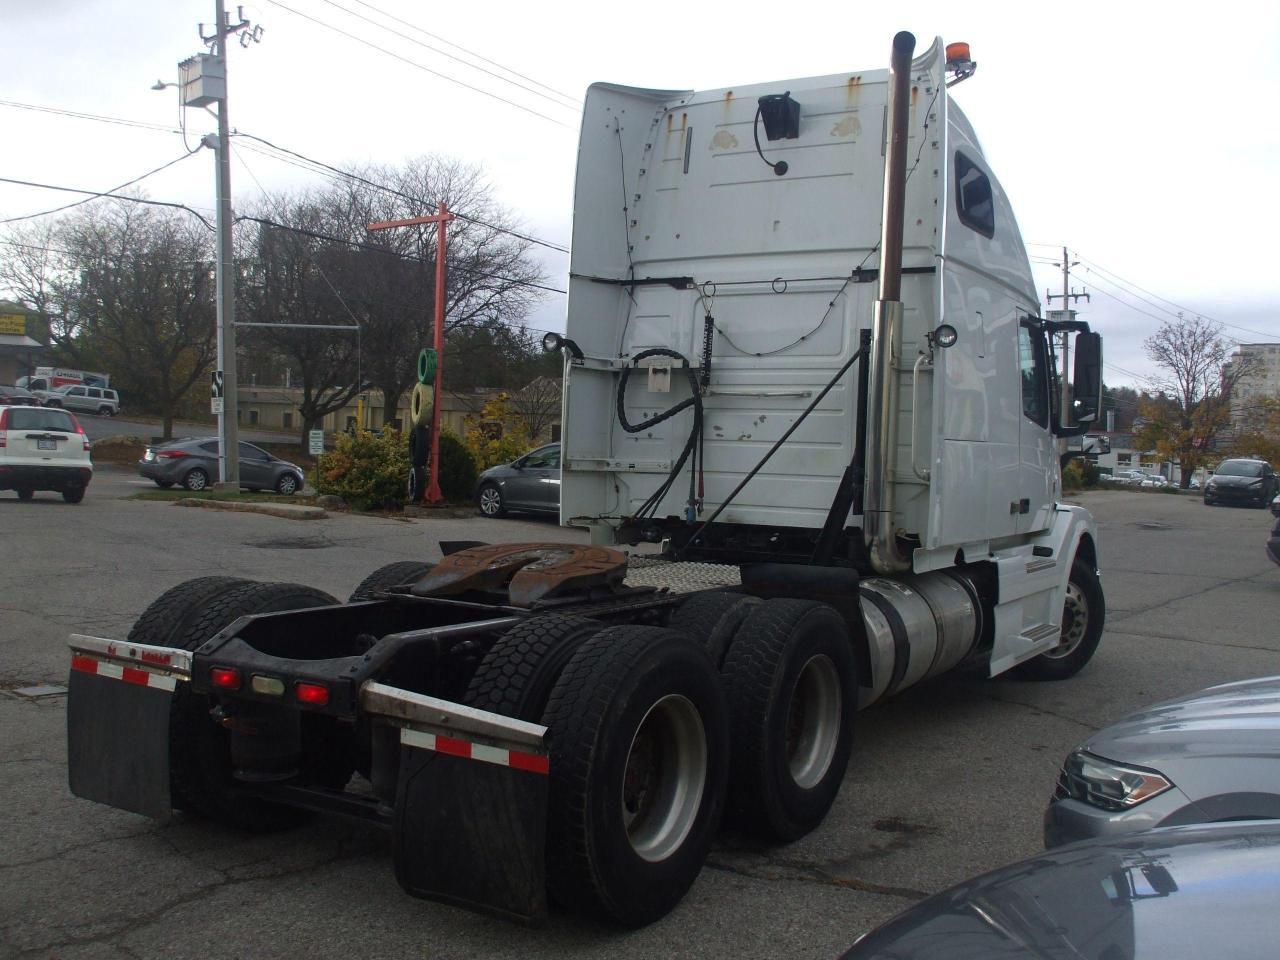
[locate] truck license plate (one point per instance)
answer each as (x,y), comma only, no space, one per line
(47,443)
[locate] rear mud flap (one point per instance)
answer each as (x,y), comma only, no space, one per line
(471,804)
(118,723)
(472,834)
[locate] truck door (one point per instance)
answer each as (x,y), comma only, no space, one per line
(1036,448)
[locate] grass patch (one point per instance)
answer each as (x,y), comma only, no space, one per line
(178,493)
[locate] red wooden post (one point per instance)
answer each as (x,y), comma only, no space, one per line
(441,220)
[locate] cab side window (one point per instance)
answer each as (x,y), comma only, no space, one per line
(974,202)
(1033,366)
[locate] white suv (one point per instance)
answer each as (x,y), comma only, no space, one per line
(85,399)
(43,449)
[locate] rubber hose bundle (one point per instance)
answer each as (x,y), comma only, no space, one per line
(694,443)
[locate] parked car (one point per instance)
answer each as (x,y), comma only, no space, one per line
(1212,755)
(77,396)
(42,449)
(1179,892)
(531,482)
(1153,481)
(1127,477)
(18,396)
(1273,542)
(1241,481)
(194,464)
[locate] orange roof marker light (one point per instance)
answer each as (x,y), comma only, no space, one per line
(959,62)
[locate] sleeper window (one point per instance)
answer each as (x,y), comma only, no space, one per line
(974,202)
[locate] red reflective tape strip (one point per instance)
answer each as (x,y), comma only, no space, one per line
(133,675)
(529,761)
(456,748)
(84,664)
(116,671)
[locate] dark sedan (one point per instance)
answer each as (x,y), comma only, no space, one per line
(1241,481)
(18,397)
(193,463)
(1206,891)
(531,482)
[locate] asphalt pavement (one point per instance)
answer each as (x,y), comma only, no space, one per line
(948,779)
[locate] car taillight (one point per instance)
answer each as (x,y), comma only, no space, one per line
(170,454)
(225,678)
(316,694)
(4,424)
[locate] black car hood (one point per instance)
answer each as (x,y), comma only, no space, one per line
(1177,892)
(1224,481)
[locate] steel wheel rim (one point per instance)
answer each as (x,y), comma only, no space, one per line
(196,481)
(1075,622)
(664,777)
(813,721)
(489,500)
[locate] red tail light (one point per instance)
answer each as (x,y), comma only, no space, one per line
(79,429)
(4,425)
(316,694)
(170,454)
(225,678)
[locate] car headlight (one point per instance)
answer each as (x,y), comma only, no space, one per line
(1111,786)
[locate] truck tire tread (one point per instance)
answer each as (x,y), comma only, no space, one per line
(599,701)
(761,675)
(519,671)
(395,574)
(713,619)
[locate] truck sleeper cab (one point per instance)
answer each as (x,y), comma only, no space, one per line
(853,490)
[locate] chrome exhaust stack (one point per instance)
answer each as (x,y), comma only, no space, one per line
(886,339)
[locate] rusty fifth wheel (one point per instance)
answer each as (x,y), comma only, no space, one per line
(639,753)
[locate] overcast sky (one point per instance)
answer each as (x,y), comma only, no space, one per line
(1142,135)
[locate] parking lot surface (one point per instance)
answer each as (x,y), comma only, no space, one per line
(946,780)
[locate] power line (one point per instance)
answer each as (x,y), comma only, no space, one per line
(414,63)
(401,256)
(80,115)
(445,53)
(76,203)
(470,53)
(107,193)
(313,164)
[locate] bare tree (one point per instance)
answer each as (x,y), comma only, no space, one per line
(1193,409)
(537,406)
(130,291)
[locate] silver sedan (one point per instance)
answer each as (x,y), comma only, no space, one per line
(1210,756)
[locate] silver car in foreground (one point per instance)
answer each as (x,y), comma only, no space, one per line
(1210,756)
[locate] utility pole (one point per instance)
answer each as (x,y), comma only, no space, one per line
(1067,297)
(203,81)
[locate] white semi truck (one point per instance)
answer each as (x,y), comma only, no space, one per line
(804,359)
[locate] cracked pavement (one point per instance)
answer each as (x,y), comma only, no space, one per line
(947,780)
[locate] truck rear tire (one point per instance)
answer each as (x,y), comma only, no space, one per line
(637,715)
(166,619)
(516,676)
(1083,617)
(392,575)
(200,758)
(713,619)
(791,681)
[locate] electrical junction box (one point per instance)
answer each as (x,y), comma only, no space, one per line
(204,80)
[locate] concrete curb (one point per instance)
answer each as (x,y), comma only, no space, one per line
(270,509)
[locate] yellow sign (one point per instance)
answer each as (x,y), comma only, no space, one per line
(13,323)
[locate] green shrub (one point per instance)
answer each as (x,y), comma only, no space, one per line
(368,470)
(457,468)
(1079,474)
